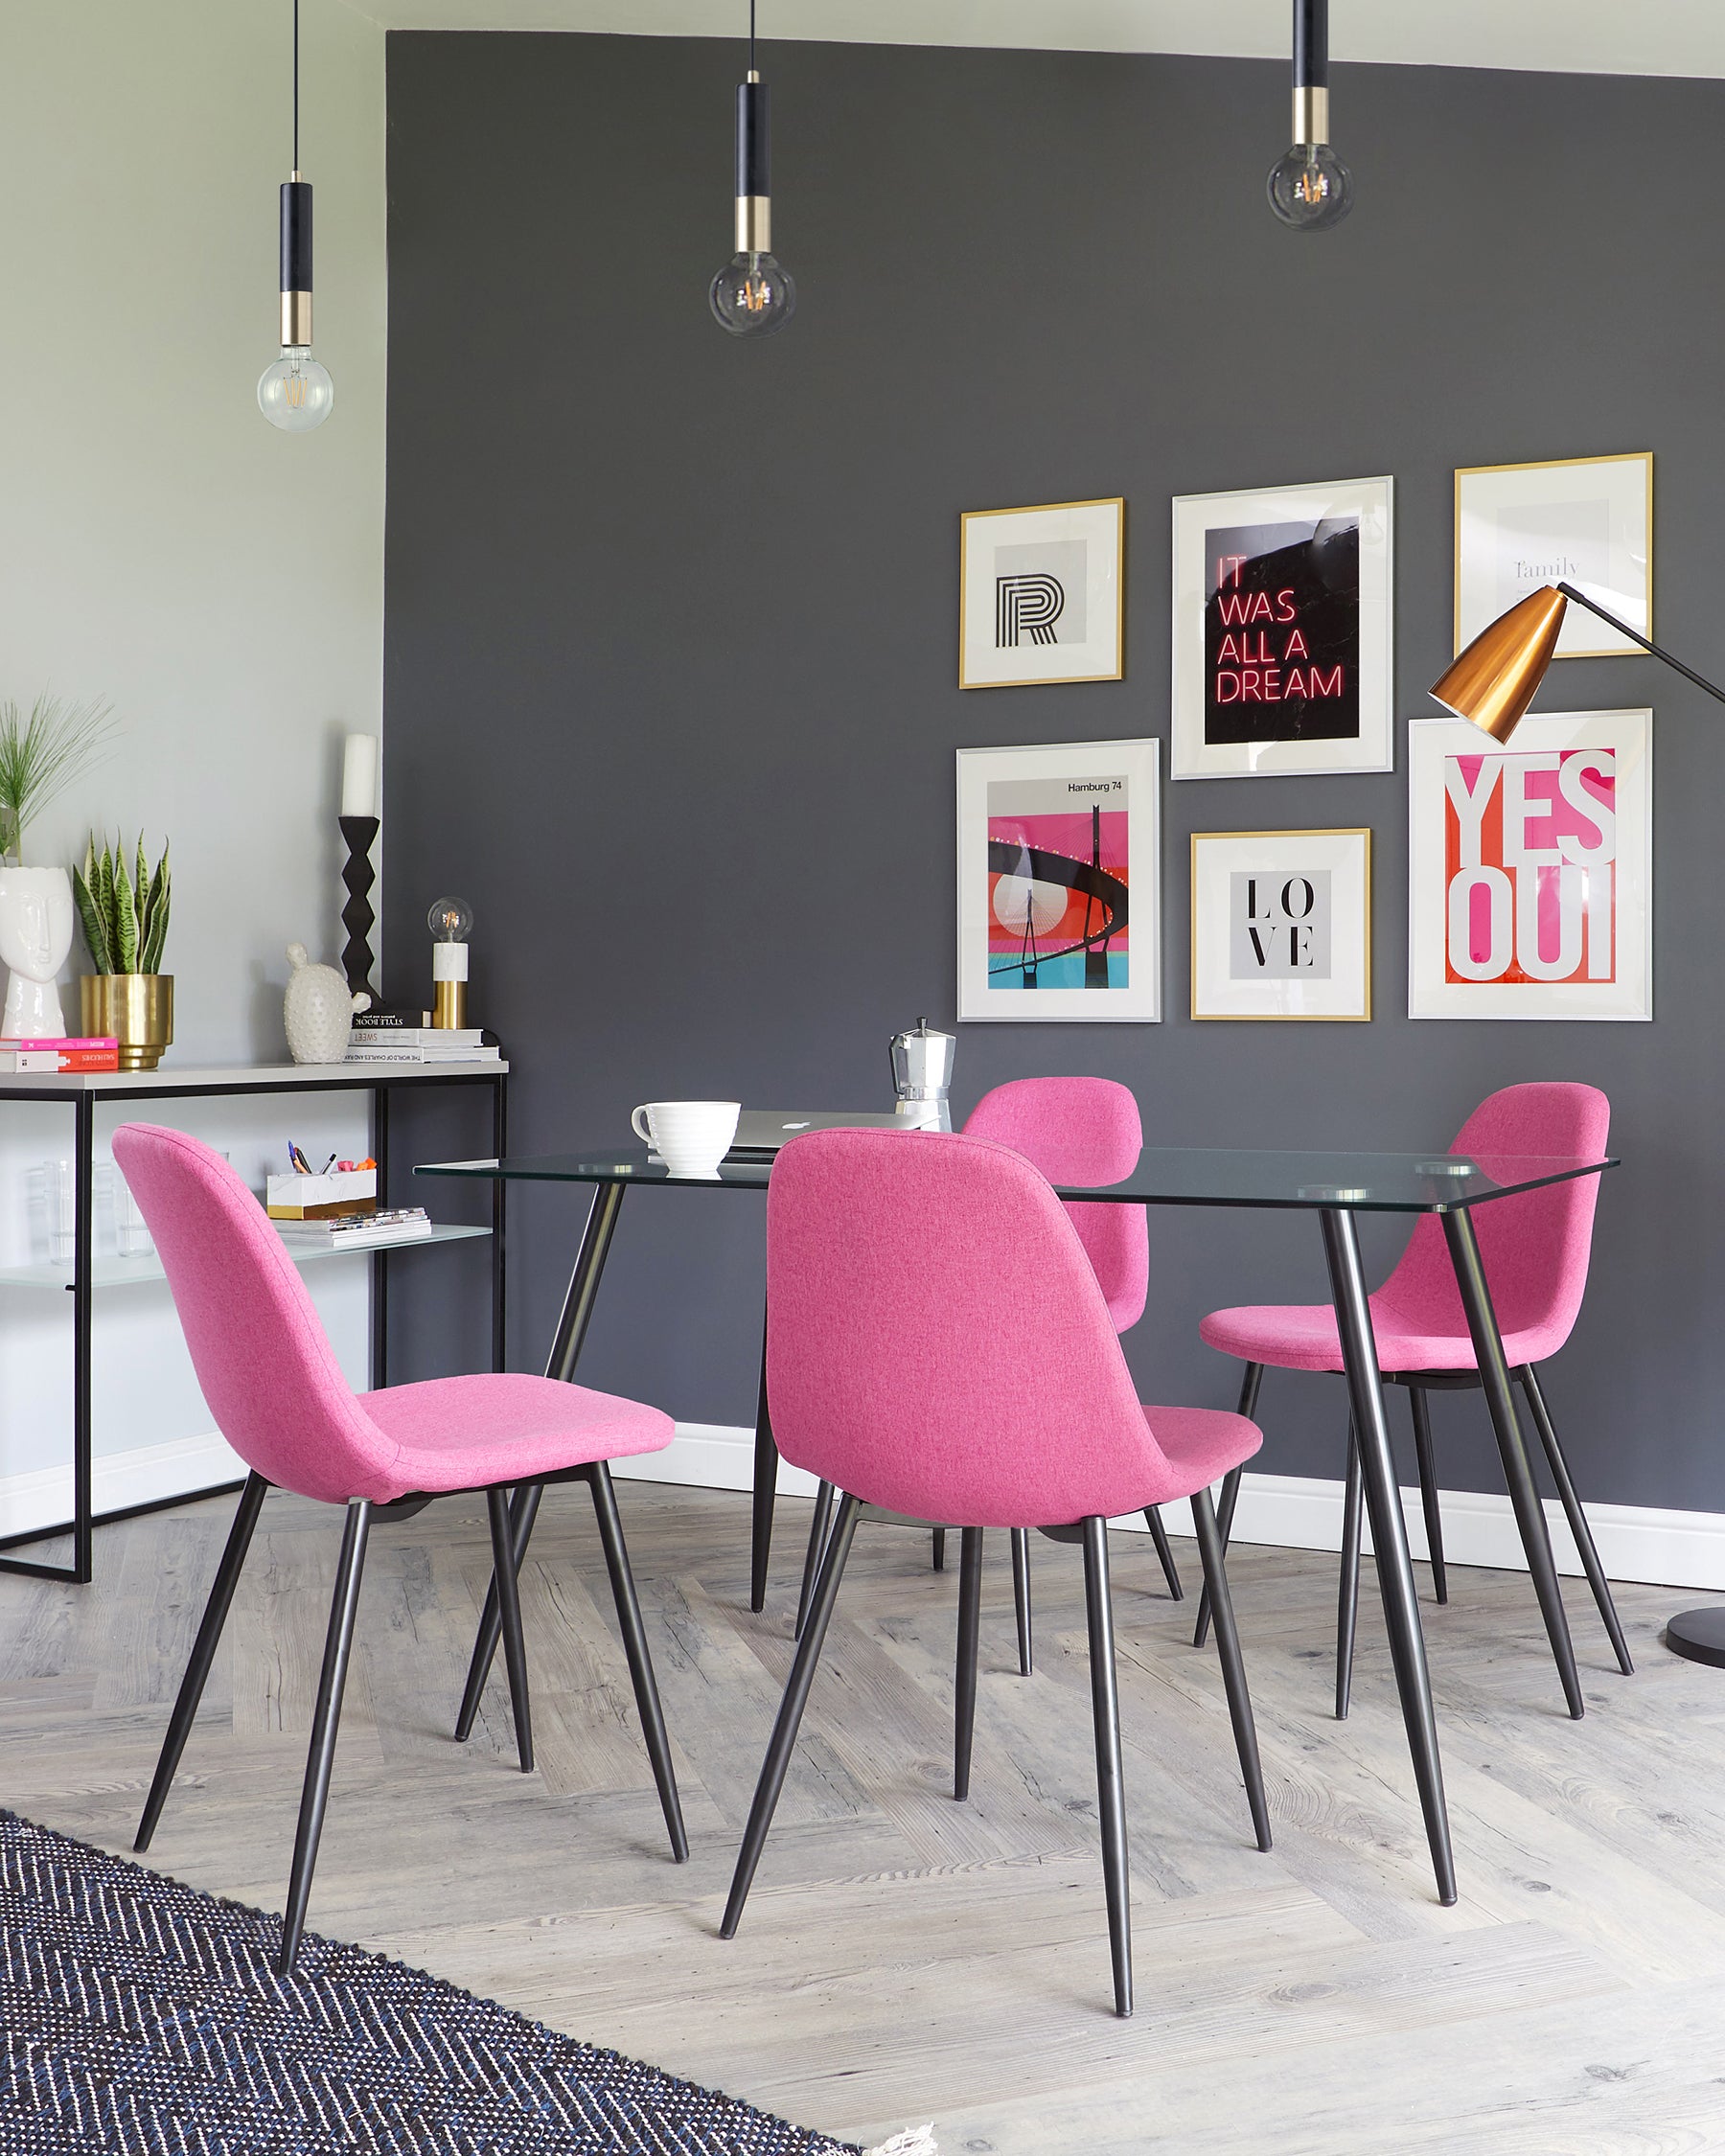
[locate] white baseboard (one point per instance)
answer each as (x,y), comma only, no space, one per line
(1636,1541)
(42,1497)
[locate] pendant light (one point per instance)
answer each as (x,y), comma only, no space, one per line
(295,393)
(1310,188)
(753,293)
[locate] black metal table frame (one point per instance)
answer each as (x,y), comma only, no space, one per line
(1366,1398)
(378,1081)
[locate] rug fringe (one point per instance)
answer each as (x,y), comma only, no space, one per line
(914,2140)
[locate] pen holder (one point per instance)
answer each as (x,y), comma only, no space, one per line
(331,1196)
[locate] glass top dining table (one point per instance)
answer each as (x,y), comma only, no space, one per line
(1336,1186)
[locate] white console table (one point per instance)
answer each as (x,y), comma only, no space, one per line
(82,1091)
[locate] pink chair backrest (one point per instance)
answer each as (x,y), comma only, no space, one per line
(1535,1247)
(267,1371)
(936,1340)
(1081,1131)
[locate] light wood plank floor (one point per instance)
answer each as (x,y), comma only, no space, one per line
(905,1956)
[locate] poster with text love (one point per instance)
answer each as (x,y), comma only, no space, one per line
(1282,631)
(1530,868)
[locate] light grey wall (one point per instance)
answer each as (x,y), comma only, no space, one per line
(671,620)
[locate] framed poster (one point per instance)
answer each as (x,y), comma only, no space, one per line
(1581,521)
(1283,631)
(1530,868)
(1282,925)
(1060,881)
(1039,594)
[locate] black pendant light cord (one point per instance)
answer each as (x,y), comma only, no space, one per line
(751,13)
(296,163)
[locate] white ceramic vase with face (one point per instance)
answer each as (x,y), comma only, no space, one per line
(35,934)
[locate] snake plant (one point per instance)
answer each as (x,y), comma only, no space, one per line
(124,915)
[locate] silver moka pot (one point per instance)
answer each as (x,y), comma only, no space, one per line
(922,1076)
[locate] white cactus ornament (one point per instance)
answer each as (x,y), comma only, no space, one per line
(318,1010)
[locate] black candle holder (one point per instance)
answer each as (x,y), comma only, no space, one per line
(357,915)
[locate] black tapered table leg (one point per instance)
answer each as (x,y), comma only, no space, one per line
(1020,1595)
(314,1796)
(507,1588)
(203,1653)
(1575,1516)
(1110,1780)
(937,1556)
(1428,1490)
(1518,1472)
(1348,1588)
(1389,1535)
(641,1660)
(1233,1665)
(819,1527)
(791,1713)
(524,1511)
(1250,1379)
(766,1491)
(964,1683)
(1158,1535)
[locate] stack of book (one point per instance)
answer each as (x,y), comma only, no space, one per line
(50,1057)
(358,1231)
(421,1044)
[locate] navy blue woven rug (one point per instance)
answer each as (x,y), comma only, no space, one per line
(139,2016)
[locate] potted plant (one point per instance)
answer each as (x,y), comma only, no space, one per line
(39,755)
(124,920)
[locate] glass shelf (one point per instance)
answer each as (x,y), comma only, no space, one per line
(126,1271)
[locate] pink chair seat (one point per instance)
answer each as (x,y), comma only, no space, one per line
(462,1433)
(1302,1337)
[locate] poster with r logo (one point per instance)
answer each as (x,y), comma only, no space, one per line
(1282,631)
(1039,594)
(1530,868)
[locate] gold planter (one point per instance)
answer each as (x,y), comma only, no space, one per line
(136,1008)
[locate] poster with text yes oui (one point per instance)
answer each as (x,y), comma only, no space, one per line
(1530,868)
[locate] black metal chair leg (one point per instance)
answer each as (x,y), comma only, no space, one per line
(524,1511)
(1575,1516)
(1428,1490)
(939,1557)
(1234,1664)
(203,1653)
(509,1615)
(819,1527)
(964,1683)
(1250,1382)
(766,1491)
(1111,1792)
(1159,1534)
(314,1796)
(1347,1592)
(640,1660)
(1021,1593)
(790,1714)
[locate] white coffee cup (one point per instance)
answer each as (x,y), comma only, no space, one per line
(691,1137)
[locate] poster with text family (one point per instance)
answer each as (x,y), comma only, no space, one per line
(1283,631)
(1058,881)
(1530,868)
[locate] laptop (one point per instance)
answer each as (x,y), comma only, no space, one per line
(762,1130)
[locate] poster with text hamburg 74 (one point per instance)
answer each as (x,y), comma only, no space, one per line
(1530,868)
(1282,631)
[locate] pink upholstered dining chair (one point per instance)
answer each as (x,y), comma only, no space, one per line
(1535,1249)
(1076,1131)
(937,1344)
(272,1382)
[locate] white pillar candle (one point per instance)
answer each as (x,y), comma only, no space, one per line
(360,776)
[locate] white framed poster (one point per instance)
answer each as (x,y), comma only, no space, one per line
(1060,881)
(1282,925)
(1530,868)
(1581,521)
(1040,593)
(1284,630)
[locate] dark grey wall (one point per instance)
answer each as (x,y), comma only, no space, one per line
(672,619)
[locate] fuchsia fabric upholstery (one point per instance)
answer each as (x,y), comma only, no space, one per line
(938,1342)
(1081,1131)
(276,1390)
(1535,1250)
